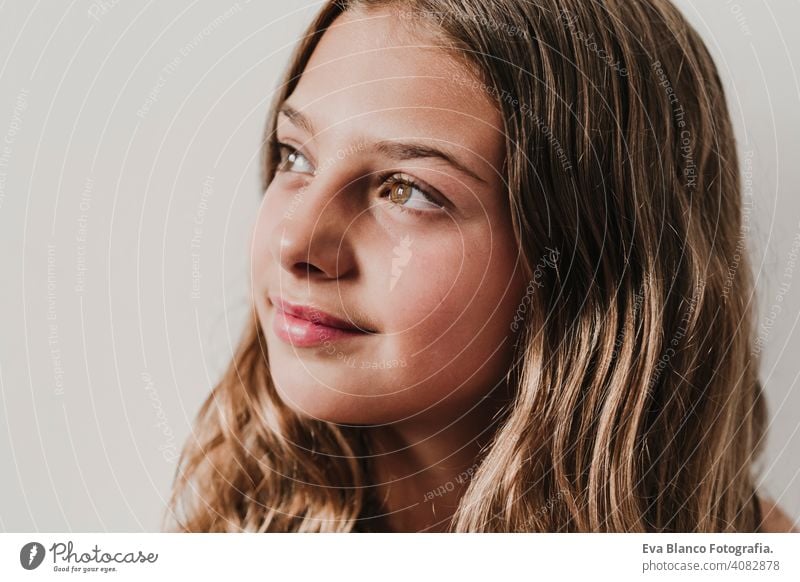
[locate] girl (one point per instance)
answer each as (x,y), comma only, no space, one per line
(492,284)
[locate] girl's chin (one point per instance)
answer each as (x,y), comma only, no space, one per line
(337,410)
(338,403)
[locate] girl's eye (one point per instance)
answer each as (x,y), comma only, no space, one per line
(404,194)
(291,160)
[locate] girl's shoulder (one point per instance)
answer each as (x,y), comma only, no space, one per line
(774,520)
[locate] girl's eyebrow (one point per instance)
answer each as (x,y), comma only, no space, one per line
(413,150)
(298,118)
(394,149)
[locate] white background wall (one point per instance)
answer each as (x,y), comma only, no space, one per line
(129,123)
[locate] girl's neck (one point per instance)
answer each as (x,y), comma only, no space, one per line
(420,471)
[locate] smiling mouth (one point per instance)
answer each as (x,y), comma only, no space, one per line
(307,326)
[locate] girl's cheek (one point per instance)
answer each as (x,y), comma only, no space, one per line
(435,290)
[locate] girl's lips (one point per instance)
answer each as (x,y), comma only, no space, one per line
(306,327)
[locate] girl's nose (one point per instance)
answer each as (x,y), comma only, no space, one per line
(313,240)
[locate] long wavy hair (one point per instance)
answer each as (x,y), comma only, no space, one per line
(636,403)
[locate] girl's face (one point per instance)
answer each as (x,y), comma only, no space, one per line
(388,213)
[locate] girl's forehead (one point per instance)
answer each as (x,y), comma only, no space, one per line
(365,76)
